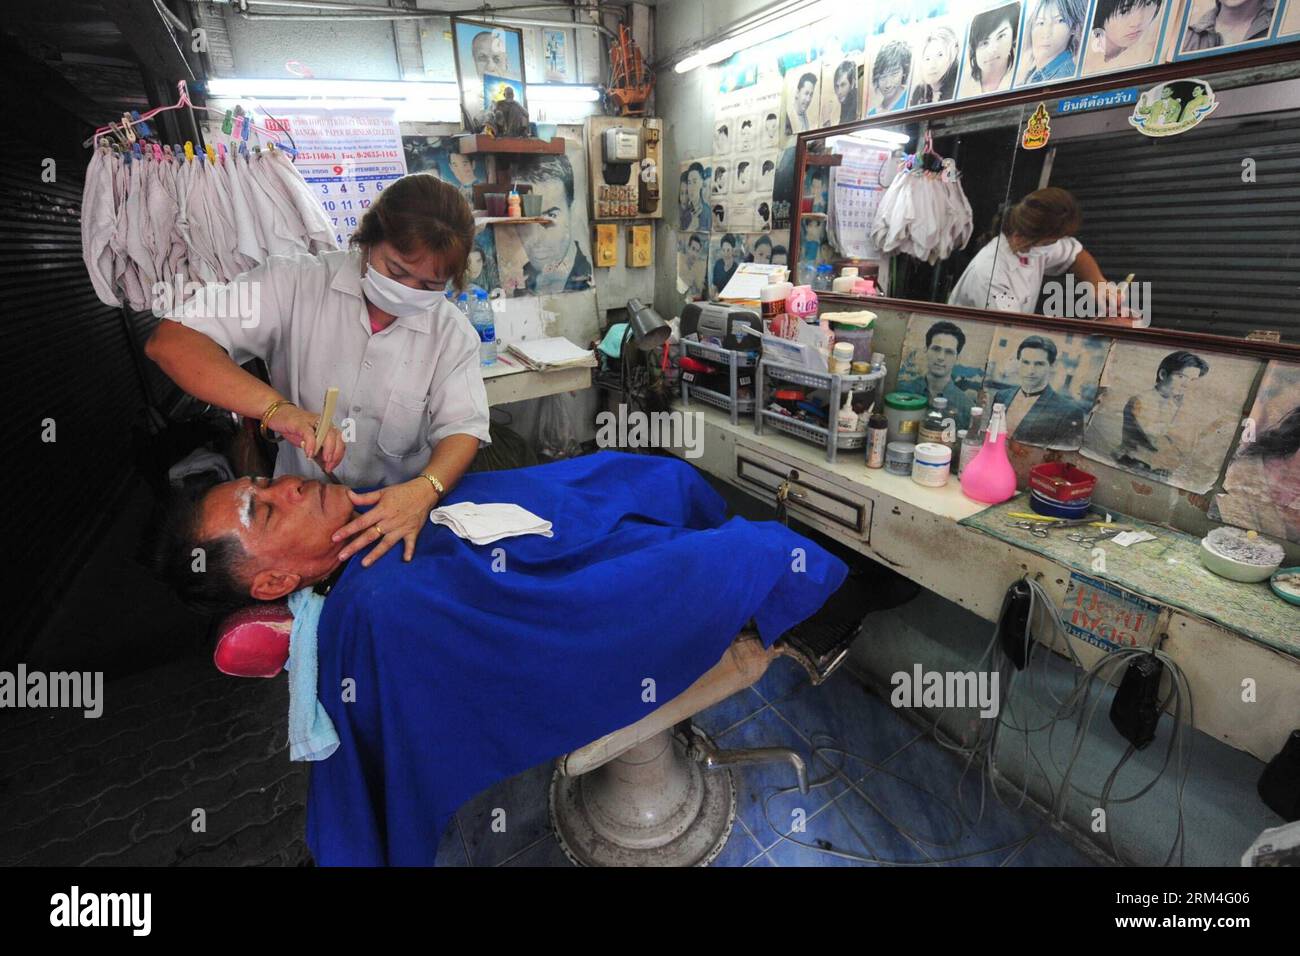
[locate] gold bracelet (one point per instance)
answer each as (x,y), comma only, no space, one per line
(437,485)
(266,417)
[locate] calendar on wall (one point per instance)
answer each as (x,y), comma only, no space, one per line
(347,158)
(856,191)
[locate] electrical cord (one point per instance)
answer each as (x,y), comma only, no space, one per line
(1079,705)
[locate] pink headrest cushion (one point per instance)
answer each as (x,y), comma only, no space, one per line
(254,641)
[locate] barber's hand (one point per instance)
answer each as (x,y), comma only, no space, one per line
(298,427)
(398,514)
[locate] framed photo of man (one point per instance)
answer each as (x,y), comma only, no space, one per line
(486,54)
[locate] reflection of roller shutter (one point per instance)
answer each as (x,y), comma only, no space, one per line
(1222,256)
(65,358)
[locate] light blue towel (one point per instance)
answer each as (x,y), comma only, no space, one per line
(311,732)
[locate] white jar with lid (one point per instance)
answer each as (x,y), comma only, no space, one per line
(842,357)
(931,464)
(844,282)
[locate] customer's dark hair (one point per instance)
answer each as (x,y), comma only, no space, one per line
(539,169)
(1280,441)
(1041,343)
(420,212)
(1177,361)
(209,586)
(945,328)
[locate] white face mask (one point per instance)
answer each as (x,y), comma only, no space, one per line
(395,298)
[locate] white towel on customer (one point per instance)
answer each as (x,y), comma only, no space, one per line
(483,524)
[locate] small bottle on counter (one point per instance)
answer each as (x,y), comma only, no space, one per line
(877,439)
(974,438)
(961,442)
(515,207)
(937,426)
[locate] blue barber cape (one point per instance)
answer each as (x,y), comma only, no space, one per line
(465,675)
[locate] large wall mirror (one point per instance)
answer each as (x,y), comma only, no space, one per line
(1206,222)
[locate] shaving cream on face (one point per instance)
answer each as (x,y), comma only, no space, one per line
(245,512)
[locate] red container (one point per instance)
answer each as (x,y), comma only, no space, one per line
(1061,482)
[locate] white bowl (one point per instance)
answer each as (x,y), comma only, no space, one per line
(1235,570)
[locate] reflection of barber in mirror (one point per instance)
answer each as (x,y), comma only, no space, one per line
(1036,238)
(1036,413)
(1153,438)
(944,342)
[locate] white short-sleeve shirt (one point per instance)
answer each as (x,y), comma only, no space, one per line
(403,389)
(998,278)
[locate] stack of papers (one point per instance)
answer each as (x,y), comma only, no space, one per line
(557,352)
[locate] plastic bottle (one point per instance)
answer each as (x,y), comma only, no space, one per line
(989,477)
(877,439)
(846,420)
(771,300)
(972,440)
(515,205)
(802,303)
(481,316)
(825,273)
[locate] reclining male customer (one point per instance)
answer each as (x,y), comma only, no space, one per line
(471,663)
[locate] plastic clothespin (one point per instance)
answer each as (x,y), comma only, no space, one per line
(141,126)
(248,128)
(135,148)
(157,152)
(189,151)
(212,156)
(228,122)
(221,148)
(243,149)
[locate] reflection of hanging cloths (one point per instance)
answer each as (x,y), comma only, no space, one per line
(924,212)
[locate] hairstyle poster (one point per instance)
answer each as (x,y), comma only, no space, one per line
(693,265)
(1261,491)
(768,248)
(440,156)
(843,68)
(801,102)
(535,259)
(695,196)
(1168,415)
(888,72)
(1211,26)
(992,40)
(945,357)
(1047,381)
(726,253)
(1052,34)
(937,47)
(1124,35)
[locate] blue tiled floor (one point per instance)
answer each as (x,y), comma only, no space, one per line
(851,813)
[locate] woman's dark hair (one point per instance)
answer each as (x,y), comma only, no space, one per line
(170,541)
(982,26)
(728,238)
(420,213)
(1175,362)
(1280,441)
(1049,213)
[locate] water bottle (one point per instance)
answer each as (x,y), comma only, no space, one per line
(485,326)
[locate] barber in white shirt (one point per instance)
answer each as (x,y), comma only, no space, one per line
(1036,239)
(374,321)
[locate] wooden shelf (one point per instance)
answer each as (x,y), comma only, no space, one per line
(831,159)
(478,143)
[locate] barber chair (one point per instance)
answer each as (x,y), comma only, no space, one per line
(655,793)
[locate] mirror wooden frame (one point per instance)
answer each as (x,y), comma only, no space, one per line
(1145,78)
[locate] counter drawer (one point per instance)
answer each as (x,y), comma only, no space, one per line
(809,497)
